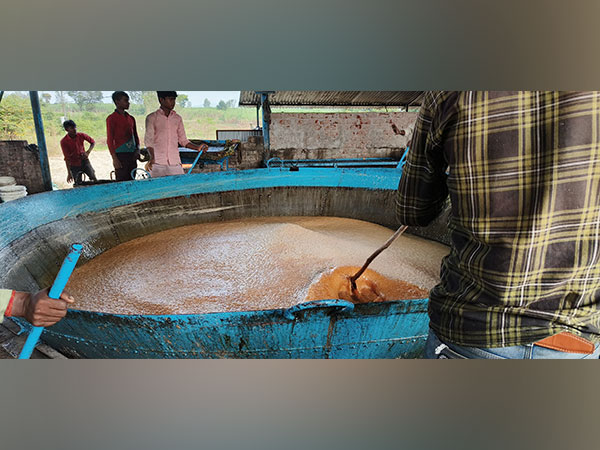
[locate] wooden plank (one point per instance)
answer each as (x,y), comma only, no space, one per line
(11,343)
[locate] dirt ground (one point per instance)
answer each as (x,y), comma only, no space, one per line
(101,162)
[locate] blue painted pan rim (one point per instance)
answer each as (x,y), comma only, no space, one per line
(67,203)
(357,309)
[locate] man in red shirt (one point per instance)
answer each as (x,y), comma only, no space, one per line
(76,157)
(122,138)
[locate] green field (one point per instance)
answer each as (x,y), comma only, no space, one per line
(16,121)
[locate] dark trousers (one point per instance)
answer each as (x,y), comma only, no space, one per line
(128,163)
(85,167)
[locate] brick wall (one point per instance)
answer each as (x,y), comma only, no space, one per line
(22,162)
(327,136)
(340,135)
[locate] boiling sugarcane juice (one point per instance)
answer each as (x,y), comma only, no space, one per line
(254,264)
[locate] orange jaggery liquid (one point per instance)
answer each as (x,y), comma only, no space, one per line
(253,264)
(370,287)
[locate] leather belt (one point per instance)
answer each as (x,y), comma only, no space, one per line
(568,343)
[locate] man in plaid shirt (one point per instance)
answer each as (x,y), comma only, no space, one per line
(522,169)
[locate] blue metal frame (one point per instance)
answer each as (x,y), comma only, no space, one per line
(195,161)
(184,154)
(333,163)
(221,161)
(403,159)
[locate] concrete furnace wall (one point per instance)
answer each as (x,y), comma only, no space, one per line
(340,135)
(22,162)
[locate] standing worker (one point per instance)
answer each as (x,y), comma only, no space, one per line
(164,135)
(122,138)
(76,157)
(522,279)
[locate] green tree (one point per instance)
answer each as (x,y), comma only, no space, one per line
(46,97)
(86,99)
(137,102)
(231,103)
(21,94)
(136,97)
(222,106)
(184,101)
(61,97)
(206,103)
(16,119)
(150,101)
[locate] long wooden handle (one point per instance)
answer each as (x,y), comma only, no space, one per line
(370,259)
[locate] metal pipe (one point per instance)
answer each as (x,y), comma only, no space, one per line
(1,95)
(59,284)
(195,161)
(41,139)
(264,99)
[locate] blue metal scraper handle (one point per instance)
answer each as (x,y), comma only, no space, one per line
(59,284)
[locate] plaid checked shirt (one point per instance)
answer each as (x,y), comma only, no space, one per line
(523,173)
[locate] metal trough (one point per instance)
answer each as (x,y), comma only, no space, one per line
(35,233)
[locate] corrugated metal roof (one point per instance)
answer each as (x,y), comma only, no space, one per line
(335,98)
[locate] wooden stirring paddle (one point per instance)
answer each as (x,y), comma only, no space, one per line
(370,259)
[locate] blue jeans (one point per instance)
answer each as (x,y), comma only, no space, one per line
(437,349)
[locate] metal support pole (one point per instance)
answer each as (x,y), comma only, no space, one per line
(41,139)
(264,100)
(257,120)
(1,95)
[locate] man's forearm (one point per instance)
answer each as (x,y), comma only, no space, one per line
(13,303)
(5,297)
(421,194)
(19,303)
(38,309)
(422,190)
(196,147)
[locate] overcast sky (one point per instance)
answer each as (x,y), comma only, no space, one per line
(196,97)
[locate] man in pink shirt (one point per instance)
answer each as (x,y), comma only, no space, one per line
(164,135)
